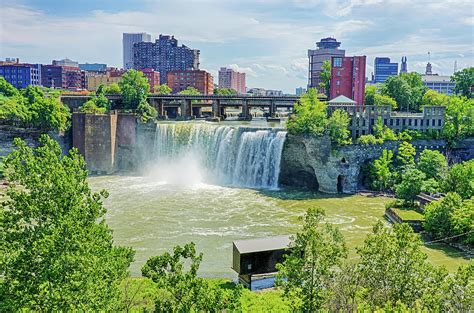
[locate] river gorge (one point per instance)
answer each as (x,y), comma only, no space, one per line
(213,184)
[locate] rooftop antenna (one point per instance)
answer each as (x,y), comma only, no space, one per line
(429,56)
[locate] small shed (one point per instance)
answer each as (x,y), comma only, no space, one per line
(256,259)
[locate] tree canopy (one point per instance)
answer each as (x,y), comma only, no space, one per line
(134,86)
(57,252)
(163,89)
(406,89)
(464,82)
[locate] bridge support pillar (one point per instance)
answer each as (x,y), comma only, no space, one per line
(273,109)
(245,115)
(216,108)
(186,109)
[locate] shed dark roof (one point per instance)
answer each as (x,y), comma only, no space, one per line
(262,244)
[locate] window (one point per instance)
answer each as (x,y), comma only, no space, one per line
(398,121)
(337,62)
(338,73)
(439,122)
(338,83)
(421,123)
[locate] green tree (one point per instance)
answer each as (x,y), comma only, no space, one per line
(383,132)
(57,253)
(163,89)
(310,115)
(382,171)
(438,215)
(146,111)
(464,82)
(459,118)
(112,89)
(325,77)
(385,100)
(370,92)
(433,163)
(134,86)
(90,107)
(406,89)
(225,91)
(433,98)
(458,290)
(189,91)
(406,154)
(393,268)
(184,291)
(461,179)
(316,252)
(338,126)
(410,185)
(7,89)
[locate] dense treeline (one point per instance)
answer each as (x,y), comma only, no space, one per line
(32,107)
(57,254)
(430,173)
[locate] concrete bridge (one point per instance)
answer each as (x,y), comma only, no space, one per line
(188,106)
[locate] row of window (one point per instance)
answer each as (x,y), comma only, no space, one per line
(400,122)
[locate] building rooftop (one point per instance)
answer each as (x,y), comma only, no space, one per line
(341,99)
(435,78)
(262,244)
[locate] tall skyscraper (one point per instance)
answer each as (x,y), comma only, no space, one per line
(327,48)
(404,66)
(164,55)
(384,69)
(128,40)
(228,78)
(348,78)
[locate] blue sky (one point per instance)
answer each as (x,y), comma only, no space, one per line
(267,39)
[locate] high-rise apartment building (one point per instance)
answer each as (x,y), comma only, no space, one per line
(164,55)
(228,78)
(128,40)
(384,69)
(327,48)
(199,79)
(348,78)
(21,75)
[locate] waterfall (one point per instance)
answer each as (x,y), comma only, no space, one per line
(235,156)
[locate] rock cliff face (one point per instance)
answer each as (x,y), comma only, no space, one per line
(29,135)
(315,163)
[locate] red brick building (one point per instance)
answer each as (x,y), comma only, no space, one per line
(348,78)
(152,76)
(199,79)
(63,77)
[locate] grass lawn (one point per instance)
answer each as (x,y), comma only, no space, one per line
(409,214)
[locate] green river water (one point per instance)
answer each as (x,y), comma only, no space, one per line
(152,216)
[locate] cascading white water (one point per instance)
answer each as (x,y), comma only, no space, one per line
(237,156)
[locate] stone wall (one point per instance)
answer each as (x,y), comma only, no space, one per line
(95,138)
(315,163)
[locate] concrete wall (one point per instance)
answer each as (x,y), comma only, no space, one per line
(313,162)
(95,138)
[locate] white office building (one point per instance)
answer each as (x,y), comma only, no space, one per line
(127,42)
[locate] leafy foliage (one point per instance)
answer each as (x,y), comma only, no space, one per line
(382,171)
(461,179)
(183,291)
(189,91)
(32,107)
(459,118)
(325,77)
(310,117)
(57,253)
(163,89)
(315,253)
(450,216)
(410,185)
(464,81)
(224,91)
(338,127)
(134,86)
(433,163)
(406,89)
(406,154)
(146,111)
